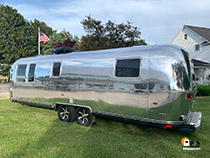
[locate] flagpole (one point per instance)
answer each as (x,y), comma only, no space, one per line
(38,41)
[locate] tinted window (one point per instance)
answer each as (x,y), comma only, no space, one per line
(56,69)
(127,68)
(31,72)
(21,71)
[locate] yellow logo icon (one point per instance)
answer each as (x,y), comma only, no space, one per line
(185,141)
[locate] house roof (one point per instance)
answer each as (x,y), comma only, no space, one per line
(202,31)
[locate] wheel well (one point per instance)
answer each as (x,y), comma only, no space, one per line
(73,105)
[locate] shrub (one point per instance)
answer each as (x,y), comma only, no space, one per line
(203,90)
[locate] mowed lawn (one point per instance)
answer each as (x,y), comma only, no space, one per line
(35,132)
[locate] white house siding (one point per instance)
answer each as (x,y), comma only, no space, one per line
(200,73)
(207,74)
(189,44)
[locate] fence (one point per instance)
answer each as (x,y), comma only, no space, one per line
(202,82)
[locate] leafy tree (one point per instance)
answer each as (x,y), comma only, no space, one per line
(54,38)
(14,39)
(108,35)
(67,43)
(18,37)
(60,39)
(78,42)
(93,27)
(44,28)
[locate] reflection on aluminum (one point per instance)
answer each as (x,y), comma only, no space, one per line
(159,92)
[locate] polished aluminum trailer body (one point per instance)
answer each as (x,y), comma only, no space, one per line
(158,92)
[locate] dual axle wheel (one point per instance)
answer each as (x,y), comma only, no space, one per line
(82,116)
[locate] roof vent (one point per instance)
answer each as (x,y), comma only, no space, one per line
(139,44)
(63,50)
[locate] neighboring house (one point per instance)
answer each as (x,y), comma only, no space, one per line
(196,40)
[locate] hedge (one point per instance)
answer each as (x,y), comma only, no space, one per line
(203,90)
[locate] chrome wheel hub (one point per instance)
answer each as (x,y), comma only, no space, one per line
(83,116)
(64,113)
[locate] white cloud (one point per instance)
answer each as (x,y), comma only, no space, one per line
(159,20)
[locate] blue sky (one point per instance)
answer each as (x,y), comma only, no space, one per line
(158,20)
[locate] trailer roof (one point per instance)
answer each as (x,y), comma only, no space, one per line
(97,53)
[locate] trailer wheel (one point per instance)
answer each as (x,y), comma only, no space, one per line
(84,117)
(66,113)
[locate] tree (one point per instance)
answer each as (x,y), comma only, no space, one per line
(60,39)
(54,38)
(44,28)
(67,43)
(14,39)
(108,35)
(18,37)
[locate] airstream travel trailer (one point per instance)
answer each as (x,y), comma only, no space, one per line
(149,85)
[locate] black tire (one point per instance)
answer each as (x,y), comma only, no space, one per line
(84,117)
(66,113)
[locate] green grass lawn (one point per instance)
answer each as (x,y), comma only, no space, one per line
(35,132)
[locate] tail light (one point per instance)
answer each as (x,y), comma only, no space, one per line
(189,96)
(167,126)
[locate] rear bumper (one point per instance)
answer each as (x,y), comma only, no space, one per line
(193,121)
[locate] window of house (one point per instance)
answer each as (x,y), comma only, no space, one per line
(185,36)
(21,73)
(56,69)
(127,68)
(197,47)
(31,72)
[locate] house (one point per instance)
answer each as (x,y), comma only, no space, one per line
(196,40)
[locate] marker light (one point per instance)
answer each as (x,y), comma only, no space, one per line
(155,103)
(168,126)
(189,95)
(191,60)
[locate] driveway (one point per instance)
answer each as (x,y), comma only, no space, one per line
(4,91)
(4,88)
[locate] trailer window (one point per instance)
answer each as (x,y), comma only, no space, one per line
(56,69)
(21,72)
(31,72)
(43,70)
(127,68)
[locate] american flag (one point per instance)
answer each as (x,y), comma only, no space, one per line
(43,37)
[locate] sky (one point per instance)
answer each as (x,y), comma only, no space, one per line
(159,20)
